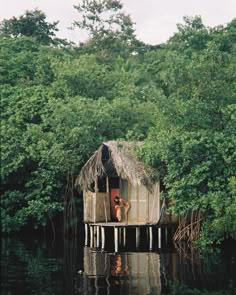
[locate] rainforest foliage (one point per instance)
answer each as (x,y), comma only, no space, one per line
(60,101)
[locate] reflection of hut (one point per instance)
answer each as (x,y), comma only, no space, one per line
(131,273)
(114,170)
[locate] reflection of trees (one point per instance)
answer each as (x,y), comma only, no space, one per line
(70,264)
(182,289)
(190,263)
(28,268)
(187,272)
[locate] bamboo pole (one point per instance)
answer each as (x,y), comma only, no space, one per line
(159,237)
(150,238)
(116,238)
(103,237)
(98,236)
(107,190)
(86,234)
(91,236)
(105,207)
(95,205)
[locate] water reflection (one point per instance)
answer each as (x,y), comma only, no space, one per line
(29,267)
(35,266)
(127,273)
(164,272)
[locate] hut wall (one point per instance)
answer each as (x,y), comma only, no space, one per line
(88,205)
(94,207)
(154,203)
(145,206)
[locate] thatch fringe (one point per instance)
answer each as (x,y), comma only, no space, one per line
(91,170)
(124,161)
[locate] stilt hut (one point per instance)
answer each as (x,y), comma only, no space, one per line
(114,170)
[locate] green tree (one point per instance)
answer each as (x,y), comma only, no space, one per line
(23,61)
(191,35)
(111,31)
(31,24)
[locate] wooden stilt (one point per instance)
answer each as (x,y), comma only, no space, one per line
(86,234)
(137,237)
(98,236)
(103,237)
(107,190)
(150,238)
(159,237)
(116,239)
(124,236)
(91,236)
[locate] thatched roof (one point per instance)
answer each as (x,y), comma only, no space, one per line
(127,166)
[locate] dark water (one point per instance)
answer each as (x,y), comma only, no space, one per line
(31,265)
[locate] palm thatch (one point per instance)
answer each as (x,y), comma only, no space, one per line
(127,166)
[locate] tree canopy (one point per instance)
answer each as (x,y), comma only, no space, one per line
(31,24)
(111,30)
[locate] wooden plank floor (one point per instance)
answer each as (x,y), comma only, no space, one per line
(120,224)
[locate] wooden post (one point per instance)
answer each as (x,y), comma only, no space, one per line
(159,237)
(98,236)
(105,207)
(107,189)
(137,237)
(91,236)
(150,238)
(107,184)
(116,238)
(96,185)
(86,234)
(124,236)
(103,237)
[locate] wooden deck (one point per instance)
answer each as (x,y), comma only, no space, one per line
(121,224)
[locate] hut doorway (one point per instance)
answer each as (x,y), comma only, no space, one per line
(114,191)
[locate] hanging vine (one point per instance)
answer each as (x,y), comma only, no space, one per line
(70,213)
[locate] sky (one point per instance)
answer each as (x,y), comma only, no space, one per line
(155,19)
